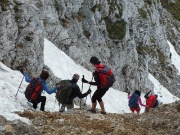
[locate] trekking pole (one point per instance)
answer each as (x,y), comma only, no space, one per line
(19,86)
(81,91)
(90,85)
(88,89)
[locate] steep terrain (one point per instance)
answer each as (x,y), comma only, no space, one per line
(163,120)
(129,36)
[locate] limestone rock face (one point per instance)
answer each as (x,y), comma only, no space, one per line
(129,36)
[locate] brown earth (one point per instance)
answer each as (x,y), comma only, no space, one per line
(164,120)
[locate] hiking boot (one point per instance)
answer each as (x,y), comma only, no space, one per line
(92,111)
(62,109)
(103,113)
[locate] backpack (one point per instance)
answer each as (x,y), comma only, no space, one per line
(63,93)
(133,101)
(151,101)
(32,90)
(106,76)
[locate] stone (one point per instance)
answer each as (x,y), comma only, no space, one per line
(8,130)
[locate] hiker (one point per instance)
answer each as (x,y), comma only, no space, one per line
(75,92)
(100,82)
(151,100)
(38,98)
(134,101)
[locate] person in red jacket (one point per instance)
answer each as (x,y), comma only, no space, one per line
(100,92)
(151,100)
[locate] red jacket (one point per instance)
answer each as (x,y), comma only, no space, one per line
(150,102)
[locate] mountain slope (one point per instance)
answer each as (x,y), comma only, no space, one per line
(129,36)
(162,120)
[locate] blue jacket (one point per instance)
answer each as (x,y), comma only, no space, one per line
(44,86)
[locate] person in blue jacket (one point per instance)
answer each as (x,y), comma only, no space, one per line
(41,99)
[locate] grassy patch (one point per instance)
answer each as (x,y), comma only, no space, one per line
(112,7)
(116,30)
(142,13)
(120,10)
(145,49)
(169,72)
(86,33)
(3,4)
(172,7)
(79,16)
(16,10)
(161,57)
(149,2)
(65,22)
(151,51)
(98,7)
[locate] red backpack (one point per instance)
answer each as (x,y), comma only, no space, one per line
(151,101)
(106,76)
(32,90)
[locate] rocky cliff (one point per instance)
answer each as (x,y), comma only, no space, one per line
(129,36)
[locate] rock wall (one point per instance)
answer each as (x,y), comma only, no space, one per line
(129,36)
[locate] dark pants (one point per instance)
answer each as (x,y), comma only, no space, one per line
(41,99)
(98,94)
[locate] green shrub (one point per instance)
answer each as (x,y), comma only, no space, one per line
(172,7)
(149,2)
(3,4)
(142,13)
(116,30)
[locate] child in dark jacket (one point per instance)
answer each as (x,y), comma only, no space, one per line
(138,101)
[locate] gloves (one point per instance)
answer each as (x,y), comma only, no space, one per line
(84,80)
(89,91)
